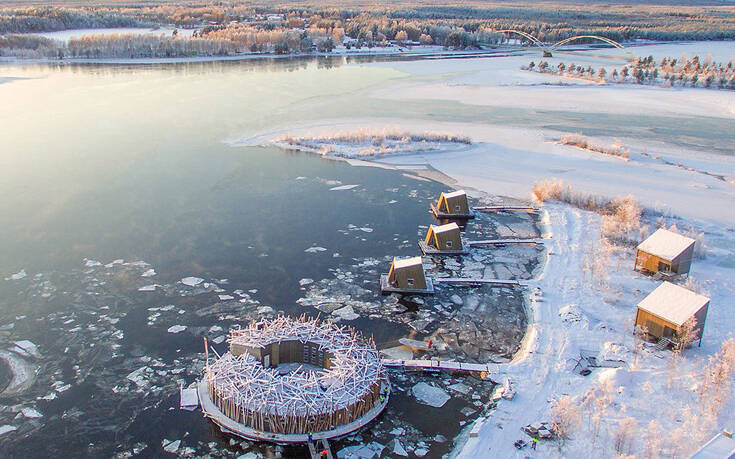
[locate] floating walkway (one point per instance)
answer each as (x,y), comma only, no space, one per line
(506,209)
(443,365)
(502,242)
(462,280)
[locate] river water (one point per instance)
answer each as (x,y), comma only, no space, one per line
(119,181)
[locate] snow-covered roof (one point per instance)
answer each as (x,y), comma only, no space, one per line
(454,194)
(719,447)
(673,303)
(445,228)
(665,244)
(406,262)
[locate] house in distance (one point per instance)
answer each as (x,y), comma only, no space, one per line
(406,276)
(443,240)
(665,252)
(452,205)
(665,310)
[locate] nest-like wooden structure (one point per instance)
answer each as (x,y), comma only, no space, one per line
(338,382)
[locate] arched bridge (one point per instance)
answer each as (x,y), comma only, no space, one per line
(548,48)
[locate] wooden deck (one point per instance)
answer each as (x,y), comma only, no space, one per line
(431,250)
(441,215)
(506,208)
(462,280)
(386,288)
(507,241)
(443,365)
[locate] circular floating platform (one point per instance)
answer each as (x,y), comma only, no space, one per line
(283,379)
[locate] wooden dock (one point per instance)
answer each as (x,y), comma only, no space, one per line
(445,216)
(430,250)
(443,365)
(463,280)
(386,288)
(506,208)
(507,241)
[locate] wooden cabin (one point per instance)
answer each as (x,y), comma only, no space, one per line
(406,276)
(443,240)
(667,308)
(665,252)
(452,205)
(721,446)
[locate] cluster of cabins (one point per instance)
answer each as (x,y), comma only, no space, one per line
(665,314)
(407,275)
(670,311)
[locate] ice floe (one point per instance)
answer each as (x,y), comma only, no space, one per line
(346,313)
(176,328)
(430,395)
(17,276)
(315,249)
(192,281)
(343,187)
(6,429)
(149,273)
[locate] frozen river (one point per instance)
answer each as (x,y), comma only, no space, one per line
(123,181)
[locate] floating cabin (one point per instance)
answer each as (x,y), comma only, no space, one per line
(667,308)
(443,240)
(665,252)
(284,379)
(406,276)
(721,446)
(452,205)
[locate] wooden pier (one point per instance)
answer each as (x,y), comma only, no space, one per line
(430,250)
(507,241)
(506,209)
(444,365)
(446,216)
(463,280)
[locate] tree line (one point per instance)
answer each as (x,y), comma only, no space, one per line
(667,72)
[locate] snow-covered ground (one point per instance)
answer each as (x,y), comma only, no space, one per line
(66,35)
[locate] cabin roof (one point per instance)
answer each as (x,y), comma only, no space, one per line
(673,303)
(445,228)
(406,262)
(720,446)
(665,244)
(454,194)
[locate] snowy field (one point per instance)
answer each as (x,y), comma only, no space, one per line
(572,307)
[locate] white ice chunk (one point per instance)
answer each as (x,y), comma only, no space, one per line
(31,413)
(430,395)
(398,449)
(149,273)
(90,263)
(17,276)
(346,313)
(226,297)
(192,281)
(306,281)
(171,446)
(315,249)
(177,328)
(343,187)
(28,347)
(148,288)
(189,399)
(7,428)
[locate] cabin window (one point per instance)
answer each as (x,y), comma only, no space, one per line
(410,281)
(664,267)
(449,243)
(457,207)
(306,353)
